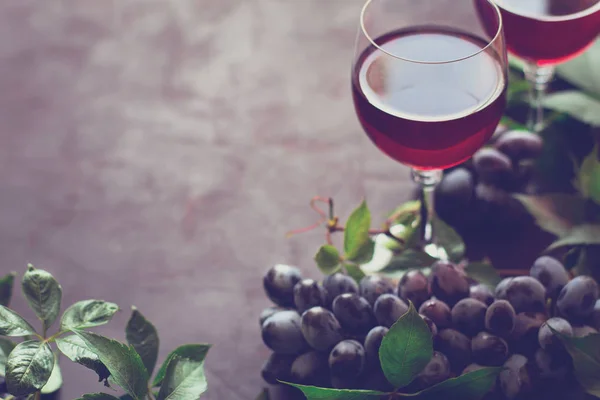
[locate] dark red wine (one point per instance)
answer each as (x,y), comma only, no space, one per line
(549,31)
(435,115)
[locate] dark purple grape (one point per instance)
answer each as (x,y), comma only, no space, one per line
(388,309)
(432,327)
(414,287)
(526,294)
(282,333)
(375,379)
(454,196)
(456,346)
(277,367)
(524,338)
(519,145)
(551,274)
(310,368)
(497,206)
(547,338)
(577,299)
(279,283)
(438,312)
(372,286)
(321,329)
(267,312)
(501,287)
(493,167)
(337,284)
(516,378)
(549,366)
(436,371)
(468,316)
(373,343)
(347,359)
(448,283)
(489,350)
(500,318)
(482,293)
(309,293)
(583,331)
(354,313)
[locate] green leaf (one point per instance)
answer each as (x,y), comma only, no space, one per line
(356,233)
(29,367)
(447,238)
(483,272)
(588,177)
(516,62)
(580,235)
(195,352)
(264,395)
(365,252)
(124,363)
(471,386)
(406,349)
(55,381)
(98,396)
(12,324)
(6,347)
(87,314)
(585,352)
(409,259)
(317,393)
(576,104)
(583,70)
(355,271)
(556,213)
(43,293)
(6,288)
(184,380)
(142,335)
(328,259)
(77,351)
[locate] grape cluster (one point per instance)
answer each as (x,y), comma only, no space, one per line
(478,192)
(328,334)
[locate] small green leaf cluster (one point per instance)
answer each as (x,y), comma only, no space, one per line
(31,367)
(405,350)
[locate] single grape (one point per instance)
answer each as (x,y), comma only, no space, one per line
(456,346)
(489,350)
(277,367)
(498,207)
(414,286)
(583,331)
(577,299)
(282,333)
(493,167)
(321,329)
(432,327)
(516,378)
(454,196)
(482,293)
(354,313)
(388,309)
(524,338)
(500,318)
(468,316)
(500,292)
(526,294)
(309,293)
(550,366)
(438,312)
(372,286)
(373,343)
(310,368)
(436,371)
(279,283)
(337,284)
(519,145)
(267,312)
(551,274)
(448,283)
(347,359)
(548,340)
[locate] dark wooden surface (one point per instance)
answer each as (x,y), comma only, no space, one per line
(154,153)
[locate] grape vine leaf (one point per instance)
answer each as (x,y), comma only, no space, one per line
(317,393)
(6,288)
(471,386)
(43,293)
(447,238)
(328,259)
(355,271)
(483,272)
(12,324)
(356,233)
(6,347)
(143,336)
(55,381)
(196,352)
(576,104)
(88,314)
(98,396)
(77,351)
(29,367)
(588,176)
(580,235)
(583,70)
(556,213)
(409,259)
(406,349)
(184,379)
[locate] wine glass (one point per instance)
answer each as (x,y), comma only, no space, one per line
(546,33)
(429,82)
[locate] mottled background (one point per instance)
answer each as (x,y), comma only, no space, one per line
(154,153)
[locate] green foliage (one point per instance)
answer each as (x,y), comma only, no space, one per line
(98,396)
(6,347)
(12,324)
(88,314)
(28,367)
(588,176)
(55,381)
(6,289)
(142,335)
(556,213)
(585,352)
(316,393)
(471,386)
(184,379)
(43,293)
(578,105)
(328,259)
(483,272)
(195,352)
(583,70)
(77,351)
(356,234)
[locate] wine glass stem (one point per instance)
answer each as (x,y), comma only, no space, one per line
(538,78)
(427,180)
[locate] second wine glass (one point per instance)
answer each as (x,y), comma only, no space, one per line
(429,82)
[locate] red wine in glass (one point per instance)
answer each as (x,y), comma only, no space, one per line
(429,116)
(549,32)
